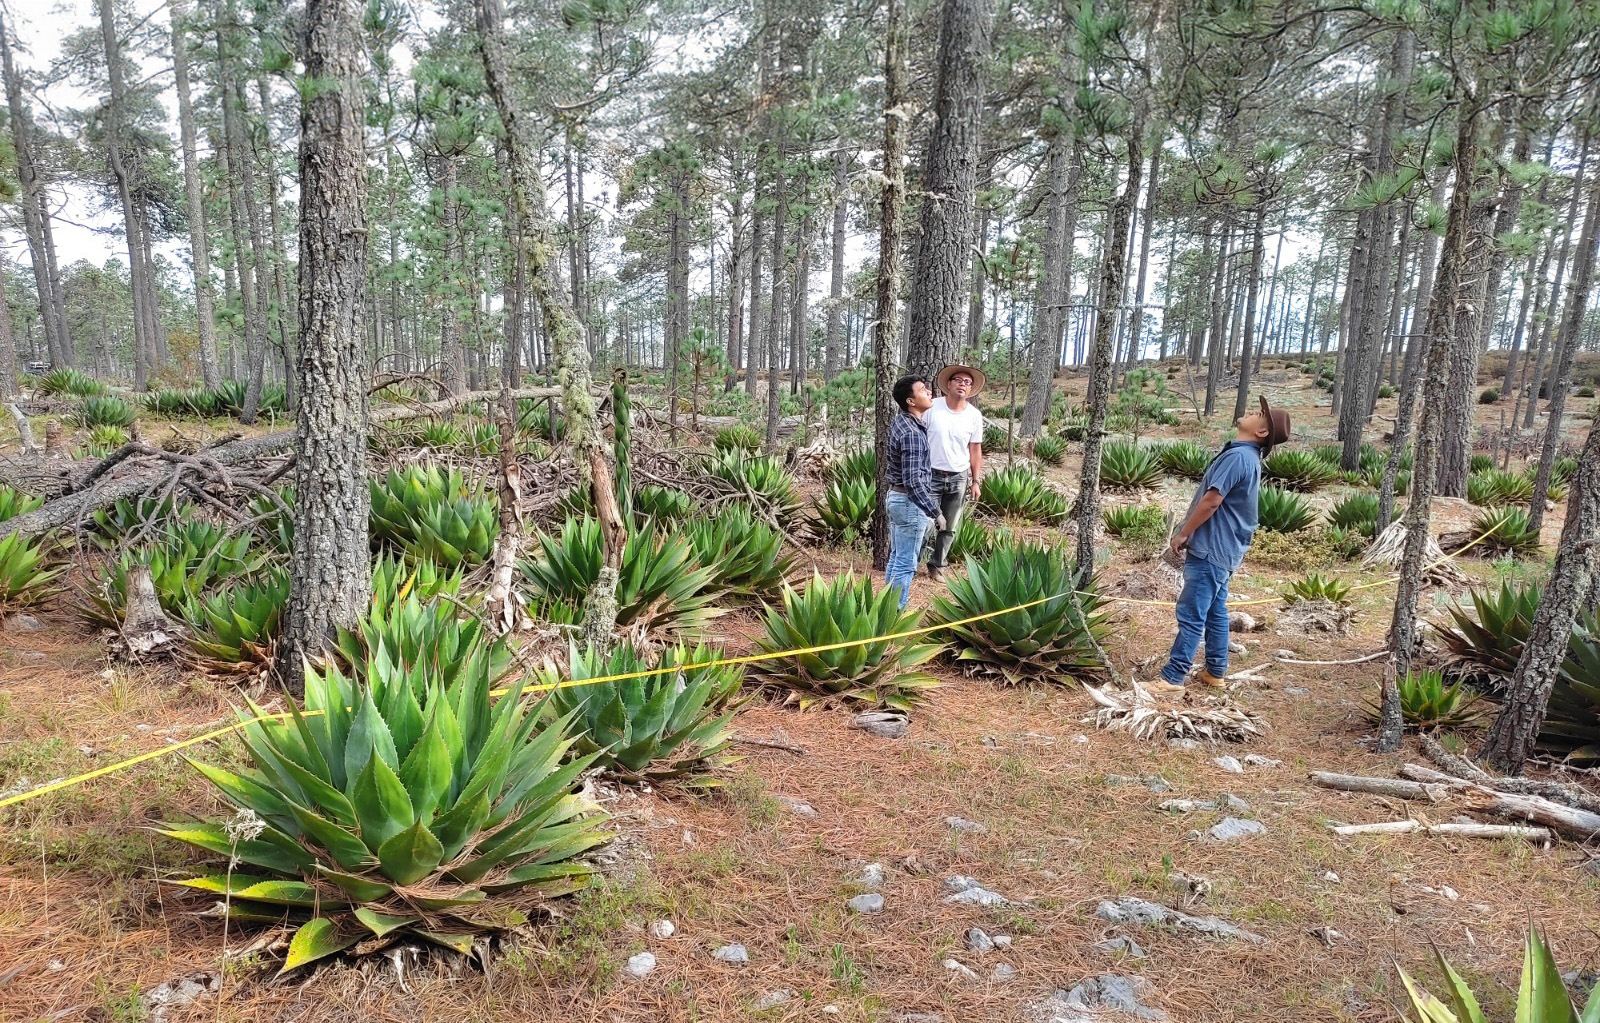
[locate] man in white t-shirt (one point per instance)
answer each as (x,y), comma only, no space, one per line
(955,448)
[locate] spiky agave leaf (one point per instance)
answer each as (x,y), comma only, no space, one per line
(396,577)
(1298,470)
(1049,450)
(1058,640)
(1018,492)
(234,630)
(661,505)
(1426,702)
(1134,518)
(1125,465)
(431,512)
(760,480)
(1316,586)
(1487,641)
(423,637)
(104,410)
(1184,459)
(397,807)
(1571,726)
(1282,511)
(60,382)
(738,438)
(662,585)
(843,513)
(858,464)
(184,562)
(1358,512)
(744,554)
(1506,531)
(14,502)
(671,726)
(1490,487)
(838,611)
(25,572)
(127,517)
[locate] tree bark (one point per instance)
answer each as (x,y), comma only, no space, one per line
(280,255)
(836,341)
(891,206)
(1258,242)
(779,302)
(452,353)
(1441,334)
(199,241)
(1530,388)
(940,291)
(758,241)
(1460,397)
(1055,278)
(1215,346)
(736,275)
(144,345)
(1112,267)
(561,326)
(1146,229)
(330,583)
(8,352)
(235,170)
(1567,345)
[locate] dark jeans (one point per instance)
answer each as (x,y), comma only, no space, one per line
(1202,610)
(950,490)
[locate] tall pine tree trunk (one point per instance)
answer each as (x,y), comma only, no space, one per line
(836,342)
(330,584)
(939,292)
(143,344)
(199,242)
(280,254)
(1258,244)
(1055,278)
(891,207)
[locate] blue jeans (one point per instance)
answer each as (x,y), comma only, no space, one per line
(908,525)
(1202,610)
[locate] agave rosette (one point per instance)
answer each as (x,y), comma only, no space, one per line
(1018,492)
(674,725)
(235,629)
(760,480)
(25,572)
(397,808)
(1126,465)
(843,514)
(1057,640)
(744,554)
(431,512)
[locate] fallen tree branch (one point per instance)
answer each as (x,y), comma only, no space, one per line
(1354,660)
(1433,792)
(787,747)
(24,431)
(105,488)
(1461,767)
(1459,830)
(1567,795)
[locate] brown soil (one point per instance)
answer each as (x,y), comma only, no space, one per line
(84,926)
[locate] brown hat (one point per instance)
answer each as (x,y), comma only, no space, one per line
(1277,426)
(943,379)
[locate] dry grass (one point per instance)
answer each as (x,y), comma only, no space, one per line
(84,925)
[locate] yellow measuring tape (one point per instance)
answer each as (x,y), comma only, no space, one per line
(149,755)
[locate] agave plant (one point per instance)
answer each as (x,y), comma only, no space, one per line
(1505,530)
(744,554)
(1541,997)
(1282,511)
(973,539)
(673,725)
(183,564)
(229,396)
(14,502)
(1572,718)
(1017,492)
(396,807)
(738,438)
(273,518)
(482,438)
(25,572)
(1358,512)
(1487,640)
(439,433)
(60,382)
(1184,459)
(235,629)
(1135,519)
(844,610)
(130,517)
(1057,640)
(1128,466)
(760,480)
(1427,703)
(1316,586)
(1297,470)
(662,585)
(431,512)
(105,439)
(1492,487)
(104,410)
(1049,450)
(1479,463)
(859,464)
(422,636)
(661,505)
(396,578)
(843,514)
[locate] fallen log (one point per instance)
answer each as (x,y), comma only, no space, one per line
(1433,793)
(106,487)
(1461,767)
(1458,830)
(1486,797)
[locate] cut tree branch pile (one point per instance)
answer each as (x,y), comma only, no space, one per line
(136,468)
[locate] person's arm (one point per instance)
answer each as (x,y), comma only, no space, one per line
(975,453)
(917,476)
(1203,510)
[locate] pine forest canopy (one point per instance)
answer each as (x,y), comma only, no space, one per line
(712,176)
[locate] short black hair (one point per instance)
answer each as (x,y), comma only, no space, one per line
(902,390)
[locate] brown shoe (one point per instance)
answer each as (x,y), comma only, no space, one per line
(936,574)
(1206,678)
(1159,686)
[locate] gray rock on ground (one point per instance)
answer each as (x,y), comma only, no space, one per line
(1231,829)
(640,966)
(1229,764)
(965,826)
(1112,991)
(885,724)
(961,970)
(662,929)
(869,904)
(798,807)
(978,941)
(1129,910)
(968,892)
(872,876)
(1121,943)
(735,953)
(773,999)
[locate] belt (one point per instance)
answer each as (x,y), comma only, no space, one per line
(950,472)
(898,489)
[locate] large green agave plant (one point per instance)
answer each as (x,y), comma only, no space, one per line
(234,630)
(104,410)
(1018,492)
(129,517)
(1491,487)
(675,725)
(744,554)
(1058,640)
(1542,995)
(662,587)
(1126,465)
(397,807)
(1297,470)
(1282,511)
(183,562)
(394,578)
(25,572)
(1358,512)
(760,480)
(1185,459)
(1572,718)
(423,636)
(431,512)
(843,513)
(14,502)
(1427,702)
(838,611)
(1505,531)
(60,382)
(858,464)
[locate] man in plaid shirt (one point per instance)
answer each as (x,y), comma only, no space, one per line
(911,506)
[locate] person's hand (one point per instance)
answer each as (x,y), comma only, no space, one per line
(1177,544)
(977,490)
(938,522)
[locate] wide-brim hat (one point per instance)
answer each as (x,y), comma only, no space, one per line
(978,379)
(1277,426)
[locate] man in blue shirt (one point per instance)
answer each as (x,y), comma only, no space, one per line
(1215,534)
(910,503)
